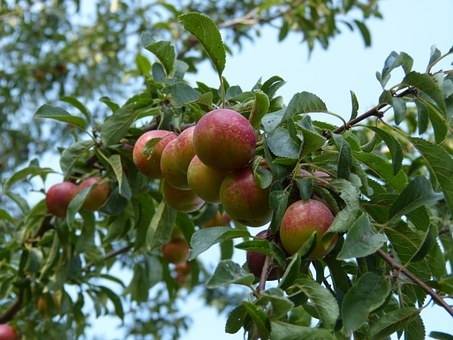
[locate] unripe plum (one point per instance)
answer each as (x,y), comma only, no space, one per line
(59,196)
(176,251)
(98,195)
(224,139)
(7,332)
(182,200)
(243,200)
(255,262)
(176,158)
(300,220)
(204,180)
(149,164)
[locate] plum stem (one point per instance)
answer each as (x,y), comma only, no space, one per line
(264,274)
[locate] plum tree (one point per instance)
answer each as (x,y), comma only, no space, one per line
(148,151)
(224,139)
(300,220)
(176,251)
(176,158)
(98,194)
(204,180)
(7,332)
(59,196)
(243,200)
(184,200)
(255,262)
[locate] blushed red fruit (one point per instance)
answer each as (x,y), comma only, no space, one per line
(176,158)
(300,220)
(59,196)
(7,332)
(224,139)
(204,180)
(149,164)
(218,220)
(182,200)
(176,251)
(98,195)
(243,200)
(255,262)
(183,271)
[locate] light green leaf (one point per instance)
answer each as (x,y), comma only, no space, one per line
(161,226)
(58,114)
(229,272)
(304,102)
(281,144)
(78,105)
(29,171)
(182,94)
(286,331)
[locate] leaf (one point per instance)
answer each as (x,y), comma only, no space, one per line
(406,241)
(116,126)
(272,120)
(117,167)
(116,301)
(367,294)
(361,240)
(29,171)
(304,102)
(438,121)
(277,303)
(182,94)
(110,103)
(399,109)
(305,186)
(58,114)
(279,202)
(161,226)
(415,329)
(322,300)
(312,141)
(394,147)
(165,52)
(355,105)
(281,144)
(344,157)
(440,163)
(236,319)
(259,318)
(229,272)
(285,331)
(441,335)
(364,32)
(72,154)
(4,215)
(350,195)
(206,31)
(78,105)
(76,204)
(427,84)
(203,239)
(392,322)
(259,109)
(417,193)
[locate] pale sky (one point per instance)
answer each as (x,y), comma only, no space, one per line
(408,25)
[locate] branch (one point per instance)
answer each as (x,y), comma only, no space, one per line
(436,297)
(374,111)
(108,256)
(11,312)
(264,274)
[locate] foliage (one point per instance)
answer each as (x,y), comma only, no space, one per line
(388,187)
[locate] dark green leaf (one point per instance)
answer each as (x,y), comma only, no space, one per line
(279,304)
(235,320)
(30,171)
(391,322)
(116,126)
(165,51)
(344,157)
(182,94)
(304,102)
(74,153)
(350,195)
(427,84)
(116,300)
(259,318)
(282,145)
(58,114)
(366,295)
(364,31)
(440,335)
(355,105)
(78,105)
(161,226)
(394,147)
(286,331)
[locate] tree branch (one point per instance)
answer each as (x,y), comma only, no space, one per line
(264,274)
(374,111)
(110,255)
(9,314)
(436,297)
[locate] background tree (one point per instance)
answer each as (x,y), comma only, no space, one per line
(392,223)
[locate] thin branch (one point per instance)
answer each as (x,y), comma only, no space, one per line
(264,274)
(436,297)
(108,256)
(373,112)
(9,314)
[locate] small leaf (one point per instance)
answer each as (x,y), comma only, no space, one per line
(361,240)
(78,105)
(279,202)
(355,105)
(259,109)
(305,186)
(322,300)
(203,239)
(182,94)
(366,295)
(29,171)
(286,331)
(344,157)
(115,162)
(350,195)
(229,272)
(281,144)
(116,301)
(165,51)
(209,36)
(259,318)
(394,147)
(236,319)
(392,322)
(76,204)
(426,84)
(279,304)
(364,31)
(304,102)
(440,335)
(73,154)
(58,114)
(116,126)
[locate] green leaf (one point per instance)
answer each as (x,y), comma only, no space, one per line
(394,147)
(110,103)
(143,65)
(344,157)
(182,94)
(229,272)
(74,153)
(364,32)
(279,202)
(427,84)
(4,215)
(438,121)
(415,329)
(305,186)
(440,335)
(312,141)
(278,303)
(203,239)
(272,120)
(206,31)
(350,195)
(281,144)
(117,125)
(29,171)
(361,240)
(58,114)
(165,52)
(355,105)
(116,301)
(406,241)
(286,331)
(78,105)
(367,294)
(399,109)
(264,247)
(304,102)
(322,300)
(417,193)
(76,204)
(123,185)
(392,322)
(161,226)
(259,318)
(259,109)
(440,163)
(236,319)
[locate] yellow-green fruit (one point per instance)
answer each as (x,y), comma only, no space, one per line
(204,180)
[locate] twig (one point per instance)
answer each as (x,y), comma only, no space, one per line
(9,314)
(264,274)
(108,256)
(374,111)
(436,297)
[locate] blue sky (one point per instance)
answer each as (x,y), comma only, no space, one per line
(410,26)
